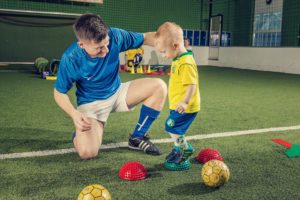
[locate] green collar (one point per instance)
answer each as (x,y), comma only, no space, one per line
(183,54)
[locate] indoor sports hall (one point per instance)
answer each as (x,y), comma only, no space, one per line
(247,54)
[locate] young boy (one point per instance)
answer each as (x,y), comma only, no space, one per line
(184,95)
(92,63)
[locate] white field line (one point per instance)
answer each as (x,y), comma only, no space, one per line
(157,141)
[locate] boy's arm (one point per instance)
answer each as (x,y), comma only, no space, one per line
(80,121)
(190,91)
(149,38)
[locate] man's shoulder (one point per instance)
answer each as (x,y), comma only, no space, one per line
(73,48)
(113,32)
(73,52)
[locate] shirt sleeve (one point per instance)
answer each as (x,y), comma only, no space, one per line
(188,74)
(65,80)
(126,39)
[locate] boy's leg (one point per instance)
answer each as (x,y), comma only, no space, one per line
(87,143)
(176,125)
(152,92)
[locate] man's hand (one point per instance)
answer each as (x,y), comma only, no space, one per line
(149,39)
(181,107)
(81,122)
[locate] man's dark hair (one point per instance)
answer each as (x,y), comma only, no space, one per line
(90,27)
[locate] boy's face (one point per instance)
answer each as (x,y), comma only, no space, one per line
(167,48)
(95,49)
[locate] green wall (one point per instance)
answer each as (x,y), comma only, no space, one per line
(142,15)
(290,22)
(25,37)
(25,42)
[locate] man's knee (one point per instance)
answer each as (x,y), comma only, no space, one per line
(160,86)
(87,154)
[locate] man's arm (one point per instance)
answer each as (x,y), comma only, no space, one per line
(64,103)
(149,38)
(80,121)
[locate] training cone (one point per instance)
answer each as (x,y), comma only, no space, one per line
(149,69)
(140,70)
(132,70)
(208,154)
(133,171)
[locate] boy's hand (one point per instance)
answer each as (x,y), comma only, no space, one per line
(181,107)
(80,121)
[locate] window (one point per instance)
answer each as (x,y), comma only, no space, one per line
(267,24)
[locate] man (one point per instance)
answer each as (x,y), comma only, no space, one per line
(92,63)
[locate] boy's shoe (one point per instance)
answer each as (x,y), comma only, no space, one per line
(175,156)
(143,144)
(188,152)
(179,155)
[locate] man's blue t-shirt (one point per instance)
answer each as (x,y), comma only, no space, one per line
(95,78)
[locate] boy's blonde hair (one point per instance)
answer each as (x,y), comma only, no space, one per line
(170,30)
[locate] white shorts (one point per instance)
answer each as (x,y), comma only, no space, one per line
(100,109)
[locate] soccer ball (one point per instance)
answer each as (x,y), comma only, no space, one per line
(215,173)
(94,192)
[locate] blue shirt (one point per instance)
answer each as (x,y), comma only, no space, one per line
(95,78)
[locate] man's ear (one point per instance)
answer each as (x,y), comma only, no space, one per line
(80,44)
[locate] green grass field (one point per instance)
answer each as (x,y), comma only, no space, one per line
(232,100)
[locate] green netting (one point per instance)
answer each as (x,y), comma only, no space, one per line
(140,15)
(53,35)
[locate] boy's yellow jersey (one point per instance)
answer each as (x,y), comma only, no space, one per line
(183,73)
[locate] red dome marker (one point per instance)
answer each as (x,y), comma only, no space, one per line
(133,171)
(208,154)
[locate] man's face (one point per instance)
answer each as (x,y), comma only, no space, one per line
(95,49)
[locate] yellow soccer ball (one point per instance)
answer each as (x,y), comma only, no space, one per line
(94,192)
(215,173)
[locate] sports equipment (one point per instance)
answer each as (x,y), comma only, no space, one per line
(94,192)
(40,64)
(215,173)
(184,165)
(133,171)
(208,154)
(294,149)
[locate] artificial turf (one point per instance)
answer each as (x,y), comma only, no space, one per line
(231,100)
